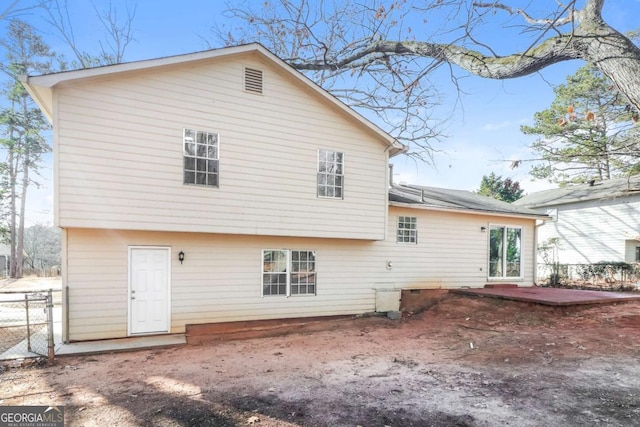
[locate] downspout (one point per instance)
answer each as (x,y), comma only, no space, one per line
(535,250)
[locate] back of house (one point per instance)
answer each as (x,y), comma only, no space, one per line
(225,186)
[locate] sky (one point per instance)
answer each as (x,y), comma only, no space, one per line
(482,132)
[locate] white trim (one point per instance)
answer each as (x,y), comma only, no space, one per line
(469,211)
(398,229)
(56,163)
(342,187)
(288,273)
(522,246)
(129,250)
(196,157)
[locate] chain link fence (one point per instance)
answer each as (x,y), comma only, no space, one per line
(26,324)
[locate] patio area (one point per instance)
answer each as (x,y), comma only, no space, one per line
(550,296)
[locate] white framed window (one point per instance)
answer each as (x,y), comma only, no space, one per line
(505,252)
(407,230)
(201,152)
(288,272)
(330,174)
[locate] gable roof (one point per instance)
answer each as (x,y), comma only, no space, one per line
(41,87)
(600,190)
(445,199)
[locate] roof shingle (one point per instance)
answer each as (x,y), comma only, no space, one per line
(600,190)
(444,198)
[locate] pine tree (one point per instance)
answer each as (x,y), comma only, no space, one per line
(588,132)
(21,125)
(501,189)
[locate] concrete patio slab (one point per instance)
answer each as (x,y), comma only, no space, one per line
(551,296)
(120,344)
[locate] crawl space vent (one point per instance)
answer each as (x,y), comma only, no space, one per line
(253,80)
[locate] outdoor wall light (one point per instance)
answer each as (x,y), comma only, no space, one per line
(483,229)
(180,256)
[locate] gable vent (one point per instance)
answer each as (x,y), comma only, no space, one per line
(253,80)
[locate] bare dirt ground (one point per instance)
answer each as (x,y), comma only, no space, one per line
(30,283)
(464,362)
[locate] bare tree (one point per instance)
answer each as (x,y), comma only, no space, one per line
(117,27)
(392,90)
(11,9)
(42,246)
(345,41)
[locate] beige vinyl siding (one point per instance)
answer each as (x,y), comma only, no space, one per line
(220,279)
(119,152)
(452,250)
(594,231)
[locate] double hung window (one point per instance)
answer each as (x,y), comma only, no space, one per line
(330,174)
(288,272)
(201,157)
(407,230)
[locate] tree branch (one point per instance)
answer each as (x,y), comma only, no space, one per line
(527,17)
(551,51)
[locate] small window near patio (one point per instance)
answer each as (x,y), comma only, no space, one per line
(407,230)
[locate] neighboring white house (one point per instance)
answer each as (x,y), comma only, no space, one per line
(593,222)
(225,186)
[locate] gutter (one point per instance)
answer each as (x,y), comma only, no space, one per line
(542,217)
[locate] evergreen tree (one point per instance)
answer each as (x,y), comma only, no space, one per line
(21,128)
(502,189)
(588,132)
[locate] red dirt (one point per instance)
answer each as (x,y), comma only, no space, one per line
(464,362)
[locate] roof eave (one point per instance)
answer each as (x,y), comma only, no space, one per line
(396,148)
(469,211)
(43,96)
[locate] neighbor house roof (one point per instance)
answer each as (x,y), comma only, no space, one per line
(598,190)
(455,200)
(41,87)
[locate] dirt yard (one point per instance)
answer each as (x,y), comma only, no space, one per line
(464,362)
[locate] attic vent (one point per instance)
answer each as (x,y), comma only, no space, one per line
(253,80)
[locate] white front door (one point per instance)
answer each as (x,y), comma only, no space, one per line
(149,290)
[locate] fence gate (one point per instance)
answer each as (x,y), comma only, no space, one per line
(26,324)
